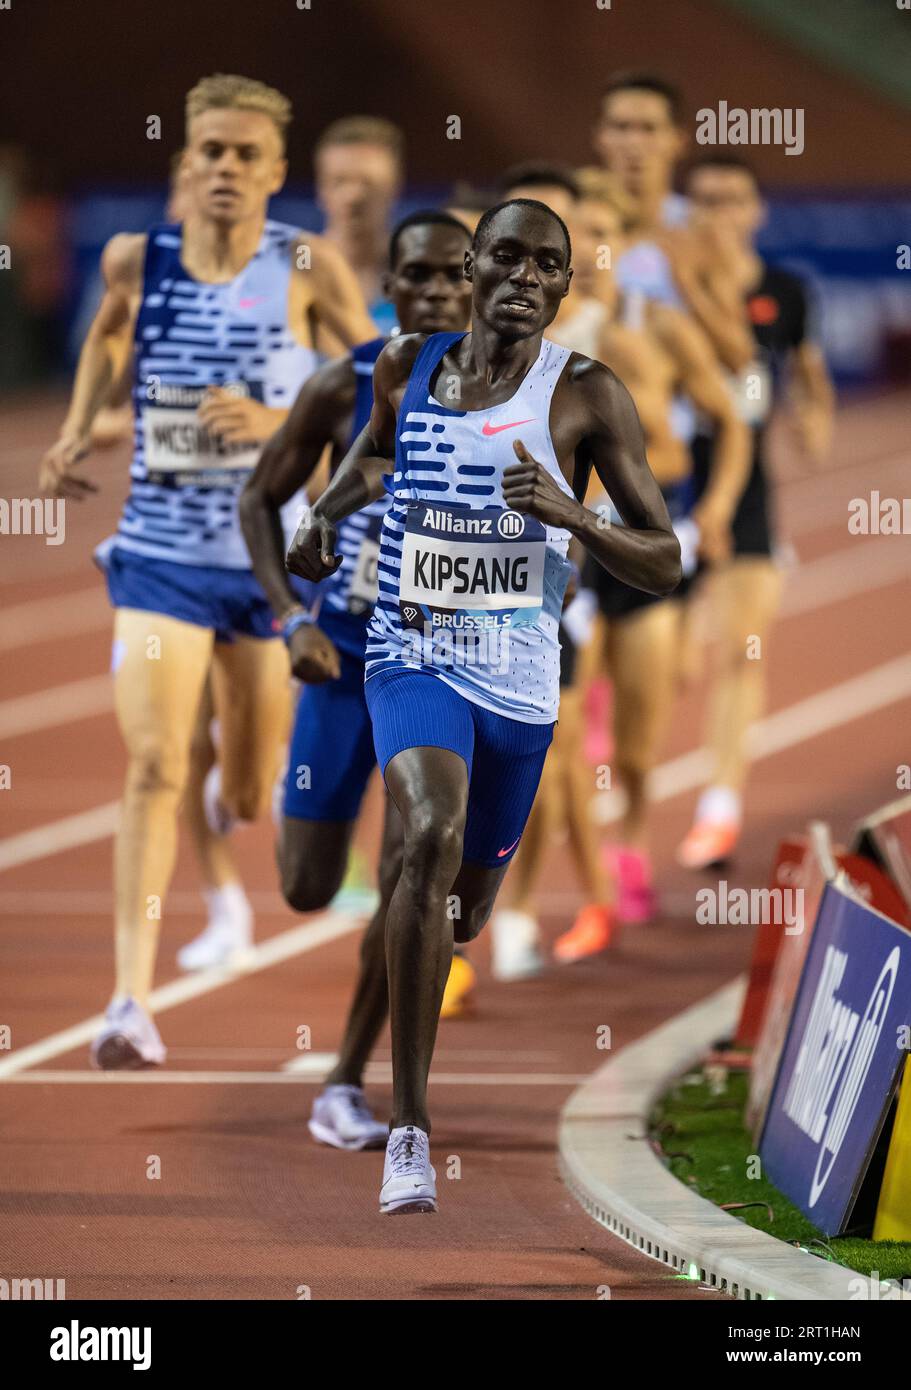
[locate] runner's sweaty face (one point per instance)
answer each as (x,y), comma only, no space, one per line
(427,285)
(520,272)
(232,165)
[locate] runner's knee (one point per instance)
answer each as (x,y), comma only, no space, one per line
(309,881)
(433,846)
(156,767)
(473,922)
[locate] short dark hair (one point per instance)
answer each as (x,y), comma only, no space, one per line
(483,228)
(647,82)
(536,174)
(721,160)
(425,217)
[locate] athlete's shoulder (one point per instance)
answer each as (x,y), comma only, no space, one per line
(399,355)
(123,257)
(596,390)
(313,253)
(587,374)
(335,377)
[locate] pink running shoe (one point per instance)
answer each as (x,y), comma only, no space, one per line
(632,869)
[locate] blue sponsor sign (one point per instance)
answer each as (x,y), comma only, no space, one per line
(841,1059)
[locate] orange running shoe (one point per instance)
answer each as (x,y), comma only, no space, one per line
(590,933)
(459,987)
(710,842)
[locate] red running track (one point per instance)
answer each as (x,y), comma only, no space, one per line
(245,1205)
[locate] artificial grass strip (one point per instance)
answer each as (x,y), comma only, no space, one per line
(699,1126)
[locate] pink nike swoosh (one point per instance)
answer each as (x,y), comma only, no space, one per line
(495,429)
(501,853)
(252,301)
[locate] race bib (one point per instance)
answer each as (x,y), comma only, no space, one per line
(471,567)
(752,390)
(364,586)
(179,450)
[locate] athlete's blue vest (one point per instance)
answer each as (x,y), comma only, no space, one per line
(348,596)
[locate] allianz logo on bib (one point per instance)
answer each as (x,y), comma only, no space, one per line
(835,1055)
(440,520)
(509,524)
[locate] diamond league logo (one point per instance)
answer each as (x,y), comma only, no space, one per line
(410,613)
(857,1064)
(510,525)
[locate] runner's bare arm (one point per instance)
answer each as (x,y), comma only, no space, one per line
(812,399)
(700,378)
(332,295)
(287,462)
(712,296)
(644,552)
(103,353)
(359,479)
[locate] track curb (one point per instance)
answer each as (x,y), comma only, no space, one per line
(613,1172)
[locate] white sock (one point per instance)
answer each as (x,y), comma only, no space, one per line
(228,903)
(720,804)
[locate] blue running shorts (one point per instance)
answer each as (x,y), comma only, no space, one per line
(331,755)
(504,757)
(229,601)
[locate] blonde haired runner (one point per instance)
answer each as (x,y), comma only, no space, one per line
(222,309)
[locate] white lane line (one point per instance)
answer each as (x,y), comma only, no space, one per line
(841,704)
(297,941)
(864,694)
(829,709)
(88,610)
(859,569)
(818,714)
(856,569)
(56,705)
(71,832)
(819,501)
(43,619)
(271,1078)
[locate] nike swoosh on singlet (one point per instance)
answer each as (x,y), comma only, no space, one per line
(501,853)
(490,429)
(251,301)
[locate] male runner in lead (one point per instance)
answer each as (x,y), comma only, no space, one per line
(332,756)
(223,308)
(493,436)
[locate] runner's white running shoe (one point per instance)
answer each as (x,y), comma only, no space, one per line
(409,1181)
(515,948)
(219,818)
(341,1117)
(227,939)
(128,1039)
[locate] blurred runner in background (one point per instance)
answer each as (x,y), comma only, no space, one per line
(726,202)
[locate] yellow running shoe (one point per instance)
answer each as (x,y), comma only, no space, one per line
(459,987)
